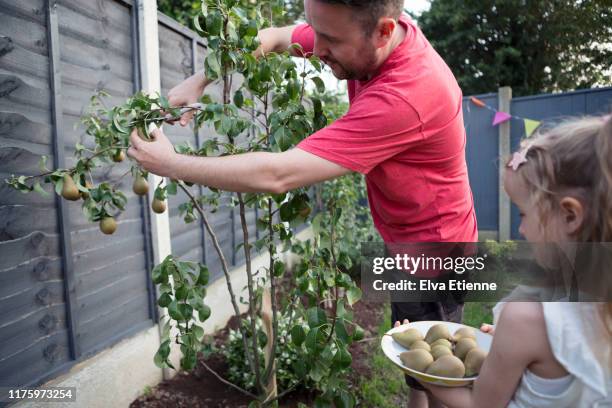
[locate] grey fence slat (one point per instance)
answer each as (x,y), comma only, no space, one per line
(120,289)
(18,221)
(18,96)
(31,246)
(20,127)
(116,320)
(32,272)
(29,301)
(49,320)
(34,361)
(94,279)
(85,46)
(12,158)
(10,196)
(97,257)
(481,155)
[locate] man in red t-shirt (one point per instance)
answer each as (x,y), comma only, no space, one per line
(404,131)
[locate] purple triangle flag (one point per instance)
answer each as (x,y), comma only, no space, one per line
(501,117)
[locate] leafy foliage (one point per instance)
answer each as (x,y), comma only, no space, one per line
(533,46)
(270,111)
(281,12)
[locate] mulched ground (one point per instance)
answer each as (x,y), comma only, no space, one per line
(201,389)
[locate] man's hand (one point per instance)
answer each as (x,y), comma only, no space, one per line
(272,39)
(487,328)
(156,156)
(187,93)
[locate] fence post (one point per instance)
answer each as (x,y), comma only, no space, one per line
(148,49)
(504,230)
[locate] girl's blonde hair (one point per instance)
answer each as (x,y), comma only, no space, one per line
(575,158)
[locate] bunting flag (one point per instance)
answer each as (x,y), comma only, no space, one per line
(477,102)
(501,117)
(530,126)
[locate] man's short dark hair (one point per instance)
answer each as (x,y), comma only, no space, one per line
(370,11)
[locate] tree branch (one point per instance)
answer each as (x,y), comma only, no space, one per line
(224,266)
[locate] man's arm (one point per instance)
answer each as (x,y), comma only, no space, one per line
(248,172)
(273,39)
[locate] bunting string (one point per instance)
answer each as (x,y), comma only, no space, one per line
(500,117)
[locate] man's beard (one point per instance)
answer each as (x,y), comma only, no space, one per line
(363,72)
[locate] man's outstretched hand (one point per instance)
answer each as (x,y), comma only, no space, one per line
(186,93)
(156,156)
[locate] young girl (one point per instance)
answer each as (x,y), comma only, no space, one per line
(552,355)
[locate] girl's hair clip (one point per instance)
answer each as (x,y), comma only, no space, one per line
(519,158)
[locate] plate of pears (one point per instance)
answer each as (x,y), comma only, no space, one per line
(440,353)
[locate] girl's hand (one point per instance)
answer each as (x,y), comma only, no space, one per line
(487,328)
(397,324)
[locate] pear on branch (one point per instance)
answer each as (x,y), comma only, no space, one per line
(69,189)
(119,156)
(140,186)
(108,225)
(158,206)
(84,194)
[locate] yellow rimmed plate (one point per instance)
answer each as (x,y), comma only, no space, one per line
(393,349)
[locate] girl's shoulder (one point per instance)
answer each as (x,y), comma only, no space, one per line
(524,322)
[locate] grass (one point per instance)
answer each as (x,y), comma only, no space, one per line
(385,387)
(148,390)
(475,314)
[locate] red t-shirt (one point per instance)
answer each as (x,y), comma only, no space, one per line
(404,131)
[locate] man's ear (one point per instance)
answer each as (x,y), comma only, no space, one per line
(384,31)
(572,215)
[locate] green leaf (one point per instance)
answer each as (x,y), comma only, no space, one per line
(38,188)
(353,295)
(214,21)
(171,188)
(164,300)
(119,126)
(181,292)
(174,312)
(238,98)
(279,268)
(341,332)
(162,354)
(159,274)
(42,163)
(342,359)
(203,313)
(358,333)
(213,67)
(186,311)
(204,275)
(316,317)
(189,360)
(196,22)
(311,341)
(344,399)
(319,84)
(198,332)
(286,212)
(298,335)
